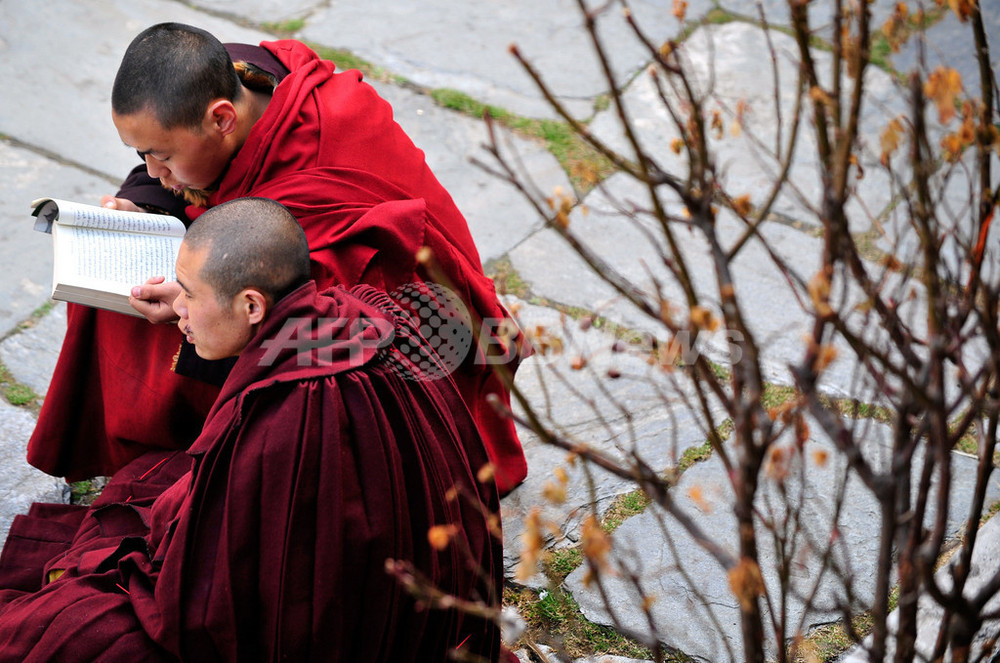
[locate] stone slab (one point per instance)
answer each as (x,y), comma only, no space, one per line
(820,13)
(260,11)
(950,43)
(777,313)
(643,413)
(31,354)
(499,216)
(553,657)
(65,109)
(26,267)
(749,161)
(435,46)
(21,484)
(985,562)
(694,608)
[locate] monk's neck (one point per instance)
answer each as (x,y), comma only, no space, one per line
(250,108)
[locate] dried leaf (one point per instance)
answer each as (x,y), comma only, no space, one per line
(890,138)
(440,536)
(666,314)
(667,354)
(825,356)
(698,497)
(680,9)
(717,127)
(532,542)
(894,29)
(554,493)
(820,456)
(943,86)
(702,319)
(742,205)
(819,292)
(851,47)
(736,128)
(594,542)
(820,96)
(777,465)
(963,8)
(801,431)
(561,475)
(746,582)
(485,473)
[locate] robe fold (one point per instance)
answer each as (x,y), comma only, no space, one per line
(324,456)
(328,149)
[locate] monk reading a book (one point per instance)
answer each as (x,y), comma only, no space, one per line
(325,460)
(280,123)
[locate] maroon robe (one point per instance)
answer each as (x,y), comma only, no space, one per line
(306,479)
(327,148)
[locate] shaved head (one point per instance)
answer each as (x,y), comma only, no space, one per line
(251,243)
(175,71)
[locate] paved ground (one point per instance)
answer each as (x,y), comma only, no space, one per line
(57,61)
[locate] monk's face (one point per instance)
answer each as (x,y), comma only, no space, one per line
(182,157)
(217,330)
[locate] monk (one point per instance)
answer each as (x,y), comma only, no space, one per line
(322,463)
(279,123)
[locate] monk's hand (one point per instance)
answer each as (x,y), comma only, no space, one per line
(155,298)
(124,204)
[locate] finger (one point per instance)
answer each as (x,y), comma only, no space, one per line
(149,291)
(156,312)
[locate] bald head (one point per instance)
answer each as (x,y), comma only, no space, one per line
(250,243)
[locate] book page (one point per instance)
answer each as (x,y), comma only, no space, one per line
(111,261)
(49,210)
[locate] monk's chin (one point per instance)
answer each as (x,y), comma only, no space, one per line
(196,197)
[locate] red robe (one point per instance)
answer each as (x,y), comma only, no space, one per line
(273,546)
(328,148)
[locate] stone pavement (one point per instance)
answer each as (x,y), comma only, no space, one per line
(57,61)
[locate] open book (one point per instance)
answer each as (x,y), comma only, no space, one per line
(99,253)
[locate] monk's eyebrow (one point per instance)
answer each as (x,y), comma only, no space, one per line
(142,153)
(183,287)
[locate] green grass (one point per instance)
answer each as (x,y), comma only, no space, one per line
(284,28)
(85,492)
(858,410)
(13,391)
(827,643)
(558,564)
(584,165)
(990,511)
(507,280)
(17,393)
(776,395)
(624,507)
(346,60)
(694,455)
(554,618)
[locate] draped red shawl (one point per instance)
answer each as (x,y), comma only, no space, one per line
(306,479)
(327,148)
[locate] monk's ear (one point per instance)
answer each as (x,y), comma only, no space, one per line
(254,305)
(221,116)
